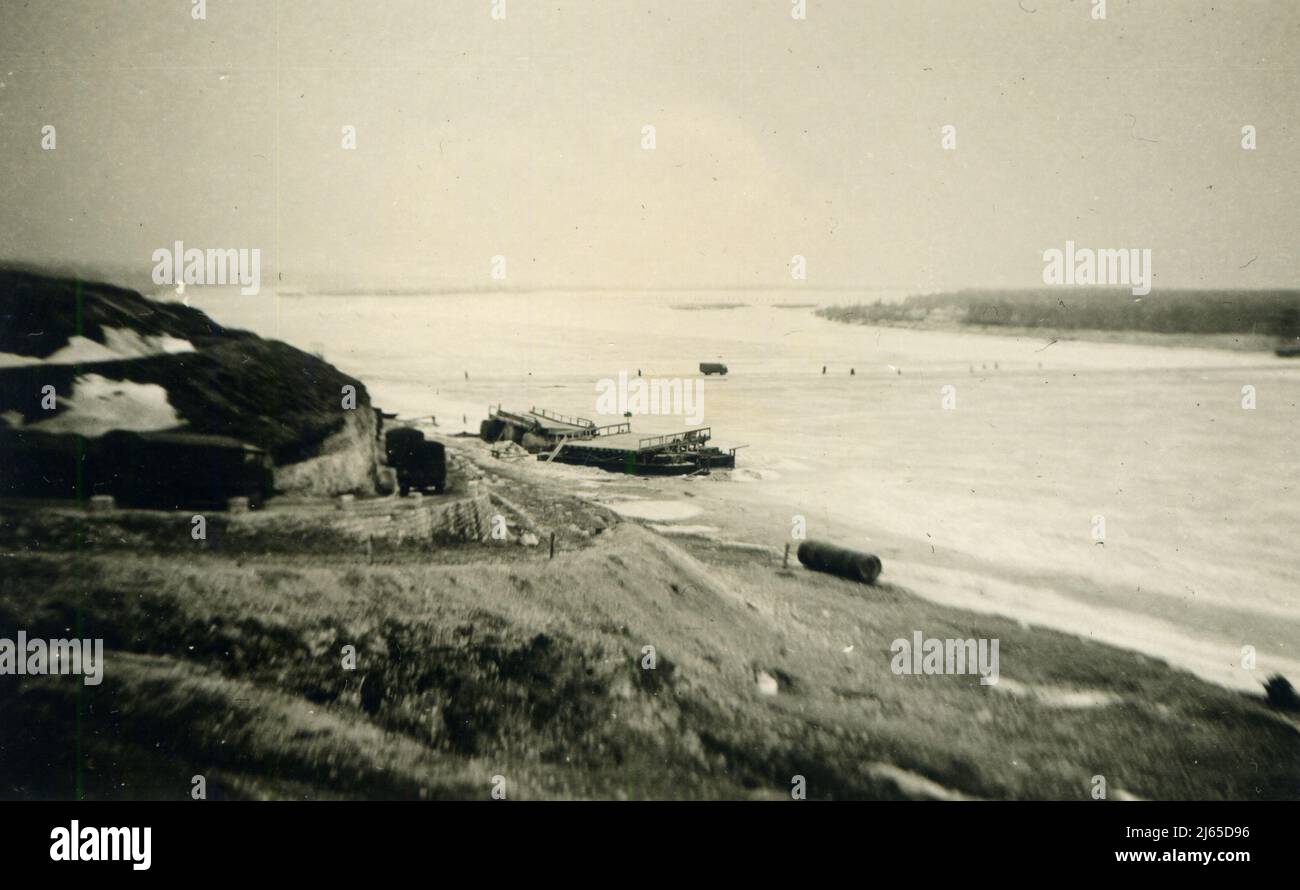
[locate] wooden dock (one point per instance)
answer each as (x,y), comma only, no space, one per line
(623,451)
(625,440)
(563,438)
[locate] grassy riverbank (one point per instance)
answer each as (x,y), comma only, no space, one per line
(487,659)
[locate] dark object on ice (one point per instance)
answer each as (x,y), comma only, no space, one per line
(559,438)
(1281,694)
(420,464)
(170,470)
(852,564)
(490,430)
(707,368)
(617,449)
(1288,351)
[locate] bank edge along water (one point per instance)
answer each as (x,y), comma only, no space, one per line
(990,504)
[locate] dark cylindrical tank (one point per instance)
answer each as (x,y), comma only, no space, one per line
(852,564)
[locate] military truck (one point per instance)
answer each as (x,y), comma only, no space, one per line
(707,368)
(420,464)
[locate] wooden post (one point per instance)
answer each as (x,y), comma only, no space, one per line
(785,562)
(552,545)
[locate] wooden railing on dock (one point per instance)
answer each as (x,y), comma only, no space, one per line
(563,418)
(686,438)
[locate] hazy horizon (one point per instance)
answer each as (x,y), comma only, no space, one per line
(774,137)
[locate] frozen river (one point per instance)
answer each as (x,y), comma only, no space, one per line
(995,503)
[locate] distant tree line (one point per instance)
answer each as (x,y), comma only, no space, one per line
(1268,312)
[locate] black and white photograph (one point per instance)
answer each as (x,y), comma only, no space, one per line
(450,403)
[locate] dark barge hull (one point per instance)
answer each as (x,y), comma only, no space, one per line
(643,465)
(612,447)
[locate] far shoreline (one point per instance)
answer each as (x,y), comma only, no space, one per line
(1256,343)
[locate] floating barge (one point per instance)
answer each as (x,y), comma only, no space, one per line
(623,451)
(559,438)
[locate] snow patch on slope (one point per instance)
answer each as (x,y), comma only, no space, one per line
(119,343)
(98,405)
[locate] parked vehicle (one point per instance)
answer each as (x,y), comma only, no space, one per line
(420,464)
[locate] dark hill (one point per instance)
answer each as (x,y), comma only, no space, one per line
(232,383)
(38,314)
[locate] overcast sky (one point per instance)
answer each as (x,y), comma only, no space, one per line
(775,136)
